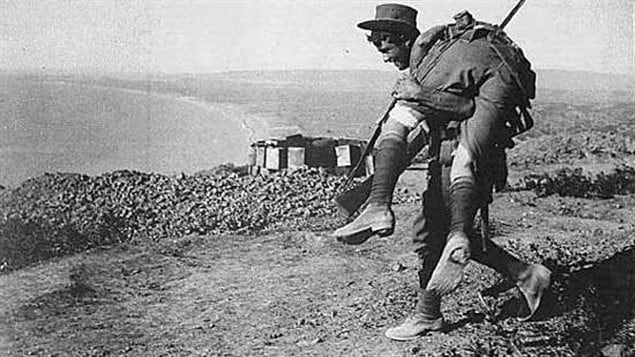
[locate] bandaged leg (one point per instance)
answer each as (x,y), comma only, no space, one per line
(464,195)
(391,158)
(390,161)
(532,280)
(463,205)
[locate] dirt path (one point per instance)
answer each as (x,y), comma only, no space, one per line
(297,292)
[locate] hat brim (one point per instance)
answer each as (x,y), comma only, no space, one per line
(388,25)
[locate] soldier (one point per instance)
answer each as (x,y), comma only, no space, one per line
(460,83)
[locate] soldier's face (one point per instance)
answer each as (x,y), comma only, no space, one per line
(392,51)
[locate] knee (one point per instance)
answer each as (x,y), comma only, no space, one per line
(394,130)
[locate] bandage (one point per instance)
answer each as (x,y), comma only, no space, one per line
(462,165)
(406,116)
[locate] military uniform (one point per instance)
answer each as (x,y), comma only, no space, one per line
(470,83)
(465,63)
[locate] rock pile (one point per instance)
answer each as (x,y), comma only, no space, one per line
(57,214)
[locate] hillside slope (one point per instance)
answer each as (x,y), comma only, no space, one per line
(296,291)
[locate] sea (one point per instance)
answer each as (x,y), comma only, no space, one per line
(175,125)
(62,126)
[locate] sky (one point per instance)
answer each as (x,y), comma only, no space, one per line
(215,36)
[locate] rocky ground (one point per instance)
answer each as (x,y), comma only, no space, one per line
(222,264)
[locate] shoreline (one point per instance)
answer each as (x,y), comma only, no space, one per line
(218,133)
(251,123)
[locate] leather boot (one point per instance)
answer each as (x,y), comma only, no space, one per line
(377,217)
(449,271)
(532,283)
(414,326)
(456,253)
(532,280)
(426,317)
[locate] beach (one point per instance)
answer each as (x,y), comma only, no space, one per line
(65,126)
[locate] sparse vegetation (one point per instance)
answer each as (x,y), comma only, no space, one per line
(575,183)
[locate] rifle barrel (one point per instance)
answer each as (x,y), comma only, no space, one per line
(511,14)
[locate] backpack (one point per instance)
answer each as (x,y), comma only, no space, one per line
(513,58)
(506,49)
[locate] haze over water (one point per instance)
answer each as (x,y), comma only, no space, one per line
(69,127)
(172,124)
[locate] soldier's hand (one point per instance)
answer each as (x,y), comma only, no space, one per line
(406,89)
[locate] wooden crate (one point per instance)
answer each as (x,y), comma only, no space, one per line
(296,157)
(276,158)
(261,156)
(347,155)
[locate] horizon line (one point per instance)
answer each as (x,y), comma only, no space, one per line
(45,71)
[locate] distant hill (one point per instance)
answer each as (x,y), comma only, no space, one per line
(329,80)
(359,79)
(579,80)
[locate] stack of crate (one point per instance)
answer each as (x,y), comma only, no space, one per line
(297,151)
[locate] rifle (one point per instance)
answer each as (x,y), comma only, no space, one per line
(371,143)
(351,199)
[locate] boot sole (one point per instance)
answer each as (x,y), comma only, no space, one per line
(363,235)
(434,326)
(537,296)
(382,229)
(448,273)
